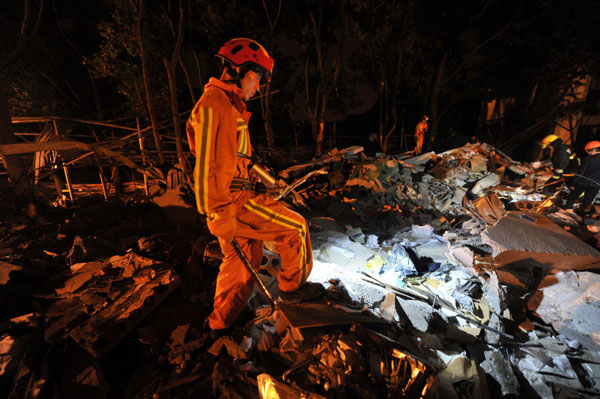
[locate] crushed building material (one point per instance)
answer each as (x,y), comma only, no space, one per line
(520,231)
(443,281)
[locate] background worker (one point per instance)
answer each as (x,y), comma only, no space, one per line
(560,159)
(587,179)
(218,136)
(420,131)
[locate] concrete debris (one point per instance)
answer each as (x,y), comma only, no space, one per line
(388,310)
(446,276)
(529,232)
(571,304)
(399,262)
(97,316)
(458,367)
(420,314)
(498,367)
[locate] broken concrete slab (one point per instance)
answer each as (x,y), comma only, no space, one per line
(571,304)
(420,314)
(551,261)
(490,180)
(545,369)
(495,293)
(533,232)
(497,365)
(315,314)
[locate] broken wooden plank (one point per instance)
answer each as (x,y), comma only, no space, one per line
(106,328)
(315,314)
(29,148)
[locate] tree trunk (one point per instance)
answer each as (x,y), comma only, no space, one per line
(146,77)
(320,135)
(12,163)
(266,100)
(172,76)
(435,98)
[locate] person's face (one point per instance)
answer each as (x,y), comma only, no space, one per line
(250,84)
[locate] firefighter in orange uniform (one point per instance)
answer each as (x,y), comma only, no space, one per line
(218,136)
(420,131)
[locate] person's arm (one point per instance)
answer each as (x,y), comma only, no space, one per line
(215,145)
(562,161)
(582,172)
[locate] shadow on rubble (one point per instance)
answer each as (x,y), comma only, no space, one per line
(92,293)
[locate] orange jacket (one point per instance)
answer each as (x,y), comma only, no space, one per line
(421,129)
(217,132)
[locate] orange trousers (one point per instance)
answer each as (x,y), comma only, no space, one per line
(260,219)
(419,144)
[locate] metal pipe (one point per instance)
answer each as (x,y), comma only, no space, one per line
(246,262)
(263,175)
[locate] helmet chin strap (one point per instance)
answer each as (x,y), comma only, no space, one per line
(235,76)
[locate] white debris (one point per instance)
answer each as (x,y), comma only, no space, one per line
(571,305)
(495,293)
(421,231)
(461,255)
(497,365)
(357,288)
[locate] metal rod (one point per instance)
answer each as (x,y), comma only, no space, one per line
(141,142)
(502,333)
(68,181)
(103,183)
(253,272)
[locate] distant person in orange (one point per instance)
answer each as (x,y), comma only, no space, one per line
(420,134)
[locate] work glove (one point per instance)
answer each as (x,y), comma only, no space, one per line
(536,164)
(222,225)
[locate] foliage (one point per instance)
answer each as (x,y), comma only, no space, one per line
(436,57)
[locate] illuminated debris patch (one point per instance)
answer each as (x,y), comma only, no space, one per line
(102,301)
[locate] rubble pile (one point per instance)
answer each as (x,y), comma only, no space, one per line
(447,277)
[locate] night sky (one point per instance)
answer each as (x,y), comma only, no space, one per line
(361,67)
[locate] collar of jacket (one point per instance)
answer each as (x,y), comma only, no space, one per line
(234,94)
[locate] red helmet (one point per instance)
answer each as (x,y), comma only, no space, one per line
(244,52)
(592,145)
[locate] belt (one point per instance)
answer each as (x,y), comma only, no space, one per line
(240,184)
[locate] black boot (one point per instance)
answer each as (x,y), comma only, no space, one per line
(306,292)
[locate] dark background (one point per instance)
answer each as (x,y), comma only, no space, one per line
(378,65)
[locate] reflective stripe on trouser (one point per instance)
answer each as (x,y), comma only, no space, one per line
(578,192)
(419,145)
(261,219)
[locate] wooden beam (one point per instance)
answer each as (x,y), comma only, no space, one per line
(28,148)
(35,119)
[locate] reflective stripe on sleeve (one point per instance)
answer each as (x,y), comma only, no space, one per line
(202,123)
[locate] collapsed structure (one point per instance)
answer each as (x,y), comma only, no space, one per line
(447,277)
